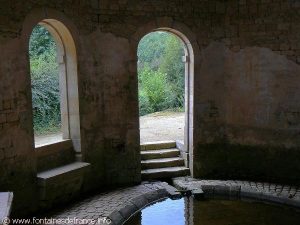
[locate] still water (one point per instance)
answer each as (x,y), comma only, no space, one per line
(187,211)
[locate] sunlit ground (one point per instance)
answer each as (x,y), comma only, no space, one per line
(162,126)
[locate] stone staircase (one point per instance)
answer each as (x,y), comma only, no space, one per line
(162,160)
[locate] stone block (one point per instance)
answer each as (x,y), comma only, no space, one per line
(61,184)
(222,190)
(164,21)
(208,190)
(180,146)
(140,201)
(158,145)
(6,104)
(128,210)
(198,194)
(151,196)
(2,118)
(116,218)
(250,193)
(235,191)
(162,193)
(172,191)
(12,117)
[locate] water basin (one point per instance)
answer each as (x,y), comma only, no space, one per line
(187,211)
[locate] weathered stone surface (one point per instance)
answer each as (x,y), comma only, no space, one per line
(61,184)
(158,145)
(140,201)
(116,205)
(245,95)
(244,190)
(198,194)
(117,217)
(166,172)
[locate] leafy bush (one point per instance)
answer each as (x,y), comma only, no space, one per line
(161,73)
(155,94)
(44,82)
(145,106)
(161,77)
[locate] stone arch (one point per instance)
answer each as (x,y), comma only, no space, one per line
(192,52)
(66,36)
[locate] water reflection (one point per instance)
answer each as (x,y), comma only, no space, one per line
(187,211)
(166,212)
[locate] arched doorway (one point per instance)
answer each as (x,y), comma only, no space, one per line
(185,143)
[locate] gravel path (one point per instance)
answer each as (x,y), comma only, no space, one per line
(162,126)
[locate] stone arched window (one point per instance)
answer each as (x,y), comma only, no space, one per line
(68,85)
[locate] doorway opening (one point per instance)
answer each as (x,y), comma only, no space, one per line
(161,76)
(165,78)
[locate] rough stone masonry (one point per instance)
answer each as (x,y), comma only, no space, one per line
(245,88)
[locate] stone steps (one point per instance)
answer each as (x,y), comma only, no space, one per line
(164,162)
(158,145)
(167,172)
(158,154)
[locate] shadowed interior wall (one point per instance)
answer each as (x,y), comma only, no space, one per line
(246,108)
(250,123)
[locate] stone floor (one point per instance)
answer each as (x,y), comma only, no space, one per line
(116,206)
(264,191)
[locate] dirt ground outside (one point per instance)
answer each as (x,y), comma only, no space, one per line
(161,126)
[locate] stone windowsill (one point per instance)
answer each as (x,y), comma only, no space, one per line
(53,147)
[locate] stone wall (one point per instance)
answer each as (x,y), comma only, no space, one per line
(245,108)
(249,121)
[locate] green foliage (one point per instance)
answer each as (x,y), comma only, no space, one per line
(44,81)
(151,49)
(161,77)
(41,42)
(161,72)
(155,95)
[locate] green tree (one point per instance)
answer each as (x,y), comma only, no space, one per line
(44,81)
(41,42)
(160,65)
(172,65)
(150,49)
(154,93)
